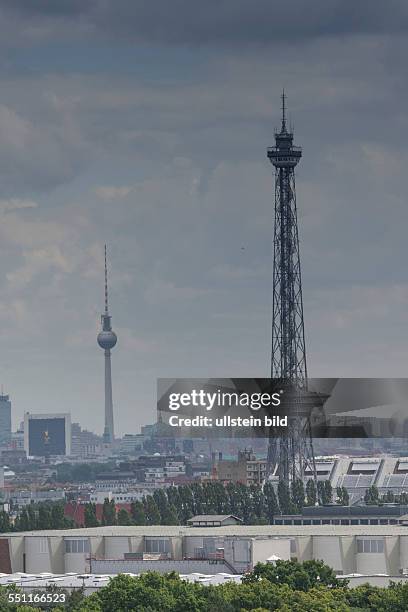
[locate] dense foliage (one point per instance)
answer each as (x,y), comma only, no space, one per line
(175,505)
(253,504)
(286,586)
(47,515)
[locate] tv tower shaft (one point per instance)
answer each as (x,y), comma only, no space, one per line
(107,340)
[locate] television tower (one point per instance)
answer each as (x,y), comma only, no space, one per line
(292,453)
(107,340)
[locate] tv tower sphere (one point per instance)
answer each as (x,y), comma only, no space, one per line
(107,339)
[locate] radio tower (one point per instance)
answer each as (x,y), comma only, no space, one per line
(107,340)
(291,454)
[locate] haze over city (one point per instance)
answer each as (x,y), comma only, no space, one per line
(122,127)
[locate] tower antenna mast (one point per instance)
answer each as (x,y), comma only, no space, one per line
(106,285)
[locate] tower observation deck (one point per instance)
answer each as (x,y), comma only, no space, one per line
(289,455)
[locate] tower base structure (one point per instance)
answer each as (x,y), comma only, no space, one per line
(291,455)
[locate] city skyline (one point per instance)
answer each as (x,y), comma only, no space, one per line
(131,131)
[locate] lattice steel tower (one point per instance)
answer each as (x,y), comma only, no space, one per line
(292,453)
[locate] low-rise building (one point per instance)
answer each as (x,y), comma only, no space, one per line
(387,514)
(247,469)
(214,520)
(19,499)
(348,549)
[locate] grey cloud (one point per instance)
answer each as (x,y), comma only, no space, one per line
(221,22)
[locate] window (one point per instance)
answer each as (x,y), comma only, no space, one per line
(43,545)
(77,546)
(370,546)
(156,545)
(367,546)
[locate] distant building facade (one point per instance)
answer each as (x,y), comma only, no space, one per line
(357,474)
(5,420)
(47,435)
(387,514)
(247,470)
(131,444)
(85,444)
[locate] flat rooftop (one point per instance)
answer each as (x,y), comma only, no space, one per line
(228,530)
(94,581)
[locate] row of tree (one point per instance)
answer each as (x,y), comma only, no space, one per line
(253,504)
(37,516)
(175,505)
(372,497)
(287,586)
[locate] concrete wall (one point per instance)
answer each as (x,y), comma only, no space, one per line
(76,562)
(16,549)
(176,547)
(97,546)
(328,549)
(38,554)
(264,548)
(56,548)
(348,553)
(115,547)
(392,554)
(371,563)
(137,544)
(403,546)
(304,548)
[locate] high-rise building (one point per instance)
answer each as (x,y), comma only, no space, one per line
(46,435)
(5,419)
(85,444)
(107,340)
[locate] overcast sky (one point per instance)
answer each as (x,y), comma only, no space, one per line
(144,124)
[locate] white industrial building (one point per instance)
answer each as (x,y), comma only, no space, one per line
(362,549)
(90,583)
